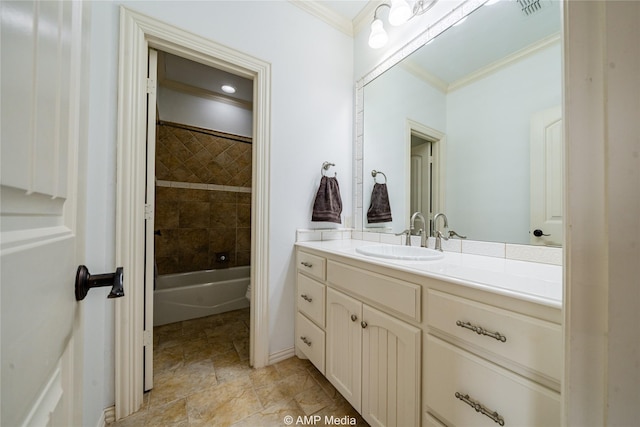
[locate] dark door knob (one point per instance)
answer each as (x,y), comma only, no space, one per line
(538,233)
(86,281)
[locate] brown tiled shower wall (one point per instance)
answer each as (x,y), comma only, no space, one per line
(197,224)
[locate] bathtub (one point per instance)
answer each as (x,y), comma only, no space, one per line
(185,296)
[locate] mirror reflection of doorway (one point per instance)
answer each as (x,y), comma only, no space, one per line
(423,175)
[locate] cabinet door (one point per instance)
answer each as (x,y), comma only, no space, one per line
(344,345)
(390,370)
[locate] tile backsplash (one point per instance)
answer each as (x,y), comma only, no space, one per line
(541,254)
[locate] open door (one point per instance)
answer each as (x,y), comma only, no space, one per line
(547,160)
(149,262)
(44,131)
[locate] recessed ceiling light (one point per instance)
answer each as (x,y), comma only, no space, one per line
(228,89)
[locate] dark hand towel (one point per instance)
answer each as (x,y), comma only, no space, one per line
(380,208)
(328,204)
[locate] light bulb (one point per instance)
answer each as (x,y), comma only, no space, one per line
(378,36)
(400,12)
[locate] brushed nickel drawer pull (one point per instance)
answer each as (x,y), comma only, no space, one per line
(306,298)
(306,341)
(481,331)
(306,264)
(480,408)
(354,317)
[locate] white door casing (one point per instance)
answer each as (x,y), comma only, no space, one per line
(438,153)
(137,34)
(547,178)
(45,66)
(149,262)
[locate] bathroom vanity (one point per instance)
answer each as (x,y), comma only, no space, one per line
(463,340)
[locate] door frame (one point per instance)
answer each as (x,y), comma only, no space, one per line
(138,33)
(439,141)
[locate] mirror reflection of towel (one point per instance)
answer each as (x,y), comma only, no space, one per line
(328,203)
(380,208)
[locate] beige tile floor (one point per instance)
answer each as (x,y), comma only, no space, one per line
(202,378)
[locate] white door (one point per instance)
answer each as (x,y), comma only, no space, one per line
(547,160)
(44,118)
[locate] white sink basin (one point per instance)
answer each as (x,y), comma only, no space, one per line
(407,253)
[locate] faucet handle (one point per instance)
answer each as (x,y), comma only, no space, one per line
(453,233)
(407,240)
(439,234)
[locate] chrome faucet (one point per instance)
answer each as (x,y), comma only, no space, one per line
(438,234)
(407,239)
(435,220)
(423,230)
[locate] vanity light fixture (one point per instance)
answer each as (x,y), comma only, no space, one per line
(399,13)
(228,89)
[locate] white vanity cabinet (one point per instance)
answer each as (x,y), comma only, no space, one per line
(347,324)
(409,349)
(310,308)
(373,360)
(486,364)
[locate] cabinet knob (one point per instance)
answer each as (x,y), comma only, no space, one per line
(363,324)
(306,341)
(354,317)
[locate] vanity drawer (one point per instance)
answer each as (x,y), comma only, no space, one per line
(531,343)
(310,299)
(310,340)
(312,265)
(517,401)
(403,298)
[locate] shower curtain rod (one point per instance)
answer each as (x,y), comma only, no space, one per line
(230,136)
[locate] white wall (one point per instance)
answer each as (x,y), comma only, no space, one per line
(487,121)
(311,121)
(178,107)
(99,339)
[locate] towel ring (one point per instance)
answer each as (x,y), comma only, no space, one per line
(375,172)
(325,167)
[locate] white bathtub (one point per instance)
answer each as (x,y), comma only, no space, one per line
(185,296)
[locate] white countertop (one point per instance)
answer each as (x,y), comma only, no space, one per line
(535,282)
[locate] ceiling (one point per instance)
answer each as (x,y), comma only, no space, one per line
(181,74)
(493,32)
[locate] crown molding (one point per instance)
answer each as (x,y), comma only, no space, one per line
(421,73)
(506,61)
(325,14)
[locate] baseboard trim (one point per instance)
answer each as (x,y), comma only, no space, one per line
(108,416)
(281,355)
